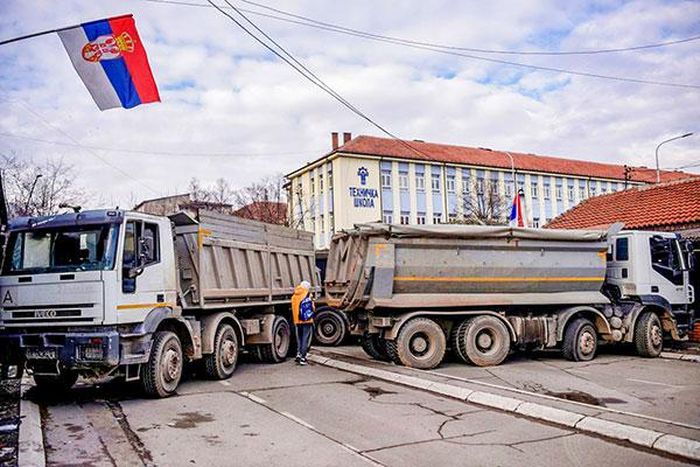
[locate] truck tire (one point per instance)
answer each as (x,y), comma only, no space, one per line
(329,327)
(222,362)
(392,354)
(454,340)
(421,344)
(56,384)
(374,346)
(580,341)
(648,335)
(276,351)
(483,341)
(161,374)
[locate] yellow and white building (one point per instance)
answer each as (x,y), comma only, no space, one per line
(368,179)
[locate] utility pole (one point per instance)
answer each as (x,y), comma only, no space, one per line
(658,172)
(31,192)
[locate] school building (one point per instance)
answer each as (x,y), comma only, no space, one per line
(369,179)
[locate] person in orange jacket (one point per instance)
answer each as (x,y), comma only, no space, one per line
(303,308)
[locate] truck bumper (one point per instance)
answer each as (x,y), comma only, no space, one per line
(45,351)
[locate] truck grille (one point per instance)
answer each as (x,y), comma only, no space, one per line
(47,314)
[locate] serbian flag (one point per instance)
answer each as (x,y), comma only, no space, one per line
(516,213)
(110,59)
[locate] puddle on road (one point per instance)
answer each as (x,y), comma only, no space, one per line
(187,420)
(585,398)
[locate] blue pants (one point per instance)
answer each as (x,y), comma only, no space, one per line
(304,332)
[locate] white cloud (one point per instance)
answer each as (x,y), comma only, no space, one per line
(223,93)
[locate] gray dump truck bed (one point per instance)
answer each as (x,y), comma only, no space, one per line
(226,261)
(390,266)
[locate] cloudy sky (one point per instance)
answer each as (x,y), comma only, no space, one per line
(231,109)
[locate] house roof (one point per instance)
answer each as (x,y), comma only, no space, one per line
(265,211)
(667,204)
(433,152)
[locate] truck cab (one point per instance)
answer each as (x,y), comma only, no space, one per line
(654,269)
(71,283)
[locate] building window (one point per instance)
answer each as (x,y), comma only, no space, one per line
(603,189)
(547,191)
(509,189)
(493,186)
(404,218)
(450,184)
(536,222)
(466,182)
(437,218)
(420,218)
(386,179)
(559,192)
(320,183)
(582,192)
(403,181)
(313,186)
(387,218)
(571,193)
(330,179)
(323,226)
(420,182)
(534,189)
(452,218)
(593,189)
(480,186)
(435,182)
(331,221)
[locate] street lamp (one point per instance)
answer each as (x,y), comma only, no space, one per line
(512,172)
(658,172)
(31,192)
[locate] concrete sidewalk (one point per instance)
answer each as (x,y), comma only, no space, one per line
(655,433)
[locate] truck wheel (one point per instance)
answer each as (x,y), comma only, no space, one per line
(276,351)
(580,341)
(454,340)
(421,343)
(162,373)
(483,341)
(648,335)
(222,363)
(392,354)
(52,384)
(329,327)
(373,346)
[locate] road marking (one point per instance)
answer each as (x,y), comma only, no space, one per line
(298,420)
(654,382)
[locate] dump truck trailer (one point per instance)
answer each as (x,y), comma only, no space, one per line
(113,292)
(413,292)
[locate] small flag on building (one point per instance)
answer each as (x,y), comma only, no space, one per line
(516,218)
(111,60)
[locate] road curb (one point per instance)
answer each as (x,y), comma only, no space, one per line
(30,451)
(654,440)
(684,357)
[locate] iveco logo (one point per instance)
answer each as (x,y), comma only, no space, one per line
(45,314)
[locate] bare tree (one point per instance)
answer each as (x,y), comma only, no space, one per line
(483,205)
(38,189)
(263,201)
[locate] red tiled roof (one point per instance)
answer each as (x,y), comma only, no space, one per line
(264,211)
(420,150)
(666,204)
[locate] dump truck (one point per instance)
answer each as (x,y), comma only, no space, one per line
(119,293)
(413,292)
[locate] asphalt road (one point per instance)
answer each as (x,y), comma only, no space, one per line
(288,415)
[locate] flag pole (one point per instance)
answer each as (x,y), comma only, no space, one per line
(51,31)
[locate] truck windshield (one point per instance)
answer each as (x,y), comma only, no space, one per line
(75,248)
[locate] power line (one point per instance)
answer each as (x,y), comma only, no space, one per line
(442,46)
(290,60)
(159,153)
(75,141)
(448,50)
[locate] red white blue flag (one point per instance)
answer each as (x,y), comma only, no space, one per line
(111,60)
(516,218)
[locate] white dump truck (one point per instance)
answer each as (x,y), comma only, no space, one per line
(412,292)
(113,292)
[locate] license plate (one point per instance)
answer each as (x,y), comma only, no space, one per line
(41,354)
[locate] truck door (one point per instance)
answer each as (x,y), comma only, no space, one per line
(669,276)
(142,279)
